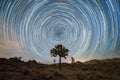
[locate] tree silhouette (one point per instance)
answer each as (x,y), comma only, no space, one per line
(60,51)
(72,60)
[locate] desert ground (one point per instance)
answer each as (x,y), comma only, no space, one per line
(16,69)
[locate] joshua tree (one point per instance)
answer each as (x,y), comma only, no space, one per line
(72,60)
(60,51)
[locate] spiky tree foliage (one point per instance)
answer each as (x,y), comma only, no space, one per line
(60,51)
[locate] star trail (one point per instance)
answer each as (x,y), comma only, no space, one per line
(88,28)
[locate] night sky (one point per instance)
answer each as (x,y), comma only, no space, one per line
(90,29)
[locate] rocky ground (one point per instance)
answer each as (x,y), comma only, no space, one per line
(15,69)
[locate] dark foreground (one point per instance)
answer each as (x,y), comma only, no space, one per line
(15,69)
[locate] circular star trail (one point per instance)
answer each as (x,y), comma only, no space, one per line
(88,28)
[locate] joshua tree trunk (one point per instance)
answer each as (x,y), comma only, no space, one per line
(59,63)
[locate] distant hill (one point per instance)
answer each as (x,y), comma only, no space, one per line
(95,61)
(15,69)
